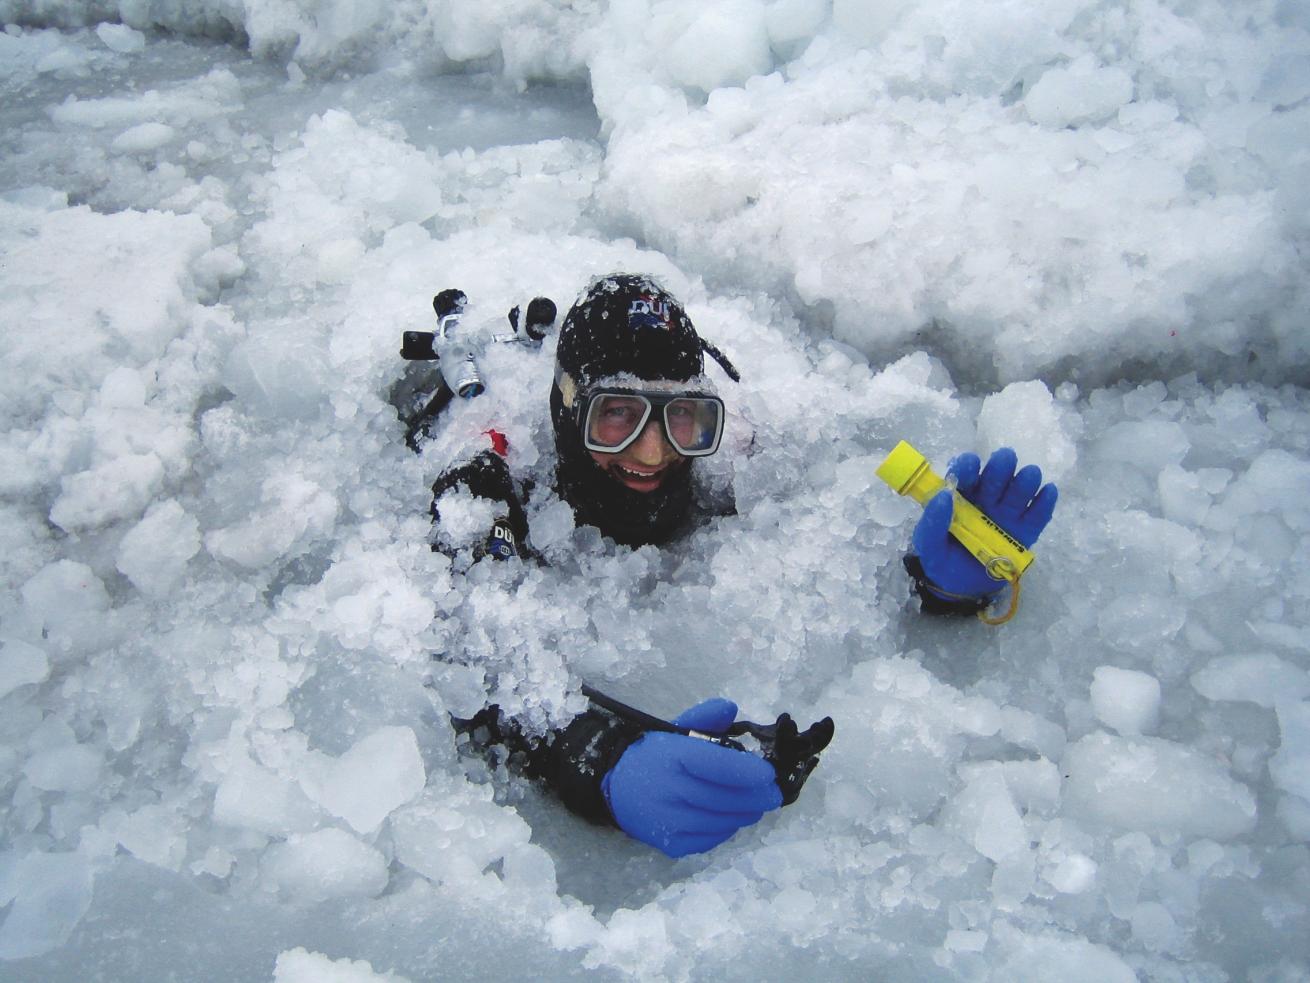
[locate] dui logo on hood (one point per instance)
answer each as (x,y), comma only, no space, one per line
(649,312)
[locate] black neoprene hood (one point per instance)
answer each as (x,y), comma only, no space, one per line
(628,324)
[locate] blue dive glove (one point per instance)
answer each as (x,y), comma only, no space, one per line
(1016,501)
(686,795)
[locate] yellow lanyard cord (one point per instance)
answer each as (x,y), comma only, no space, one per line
(1003,568)
(1000,569)
(1013,609)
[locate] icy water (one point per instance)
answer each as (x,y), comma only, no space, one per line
(224,750)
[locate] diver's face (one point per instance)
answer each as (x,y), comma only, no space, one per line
(646,463)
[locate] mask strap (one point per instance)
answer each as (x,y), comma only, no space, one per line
(722,359)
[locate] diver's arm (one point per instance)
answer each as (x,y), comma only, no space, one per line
(485,476)
(571,761)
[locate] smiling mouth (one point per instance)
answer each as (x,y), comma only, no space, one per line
(639,480)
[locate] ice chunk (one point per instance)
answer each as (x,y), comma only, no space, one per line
(1028,730)
(636,941)
(1074,874)
(1290,767)
(1286,81)
(120,38)
(70,602)
(279,375)
(154,833)
(794,20)
(1024,416)
(72,768)
(253,797)
(1148,445)
(347,180)
(551,527)
(123,388)
(117,489)
(1140,621)
(1275,482)
(294,510)
(1286,636)
(154,553)
(328,864)
(457,834)
(1043,958)
(1154,927)
(1294,813)
(867,23)
(466,519)
(528,867)
(895,706)
(723,44)
(1155,786)
(1183,496)
(959,940)
(339,258)
(48,894)
(1125,699)
(303,966)
(144,138)
(463,688)
(984,815)
(1082,93)
(1033,783)
(1261,678)
(21,664)
(377,775)
(83,258)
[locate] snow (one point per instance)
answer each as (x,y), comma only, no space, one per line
(1077,230)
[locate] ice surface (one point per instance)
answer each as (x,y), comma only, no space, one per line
(1074,229)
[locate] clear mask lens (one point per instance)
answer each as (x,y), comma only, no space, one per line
(692,424)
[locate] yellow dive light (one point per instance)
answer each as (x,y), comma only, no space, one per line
(1002,556)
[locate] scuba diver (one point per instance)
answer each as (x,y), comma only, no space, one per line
(632,411)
